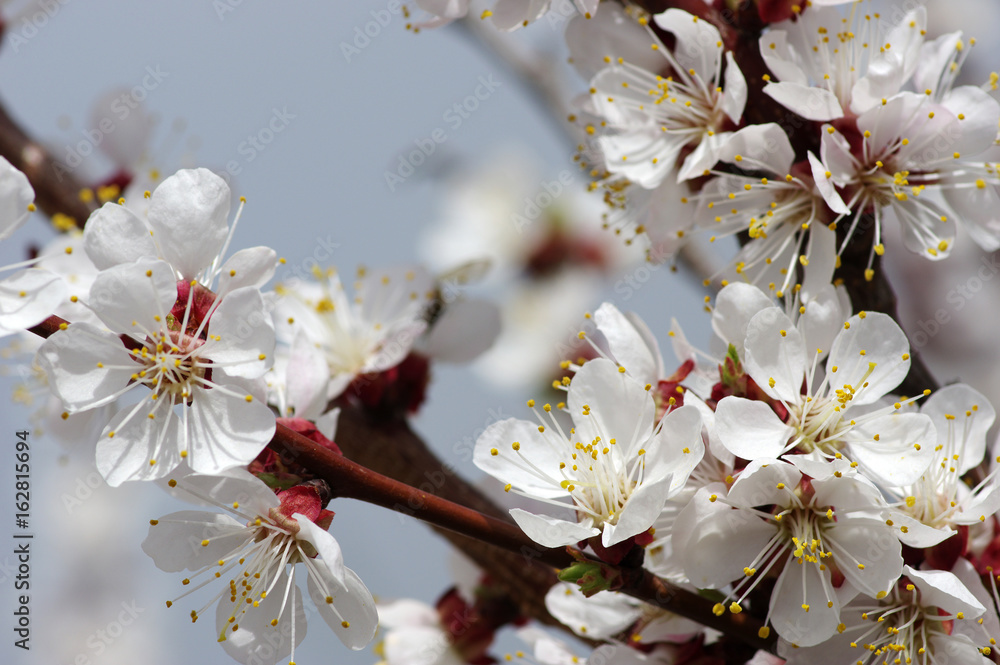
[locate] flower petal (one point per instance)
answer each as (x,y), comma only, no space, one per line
(352,604)
(901,453)
(174,543)
(16,195)
(226,430)
(627,344)
(750,429)
(332,559)
(86,366)
(29,297)
(551,532)
(188,213)
(130,297)
(241,334)
(257,642)
(115,235)
(874,344)
(811,103)
(775,350)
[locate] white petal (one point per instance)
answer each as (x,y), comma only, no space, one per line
(327,423)
(175,542)
(735,305)
(627,345)
(29,297)
(706,535)
(613,34)
(875,339)
(823,318)
(620,407)
(836,155)
(114,235)
(942,589)
(257,642)
(775,350)
(762,144)
(129,297)
(331,558)
(934,62)
(235,484)
(811,103)
(551,532)
(71,361)
(407,612)
(641,509)
(981,115)
(252,266)
(226,431)
(800,585)
(419,645)
(758,483)
(826,187)
(631,154)
(780,59)
(513,14)
(869,543)
(306,378)
(16,195)
(241,334)
(699,45)
(734,96)
(599,617)
(352,603)
(903,451)
(188,213)
(142,448)
(964,435)
(676,449)
(534,467)
(465,330)
(750,429)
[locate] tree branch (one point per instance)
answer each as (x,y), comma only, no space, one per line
(56,190)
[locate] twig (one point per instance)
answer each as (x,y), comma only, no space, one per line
(56,190)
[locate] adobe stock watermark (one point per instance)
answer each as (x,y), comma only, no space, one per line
(363,35)
(258,142)
(433,481)
(223,7)
(120,108)
(631,282)
(100,640)
(455,116)
(559,12)
(535,205)
(32,24)
(958,298)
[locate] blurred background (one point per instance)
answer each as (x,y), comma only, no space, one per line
(311,118)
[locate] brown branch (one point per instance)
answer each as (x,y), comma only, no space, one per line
(57,191)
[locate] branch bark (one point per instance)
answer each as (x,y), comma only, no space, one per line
(56,190)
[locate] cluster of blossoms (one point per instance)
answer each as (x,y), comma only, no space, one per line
(882,131)
(794,485)
(187,368)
